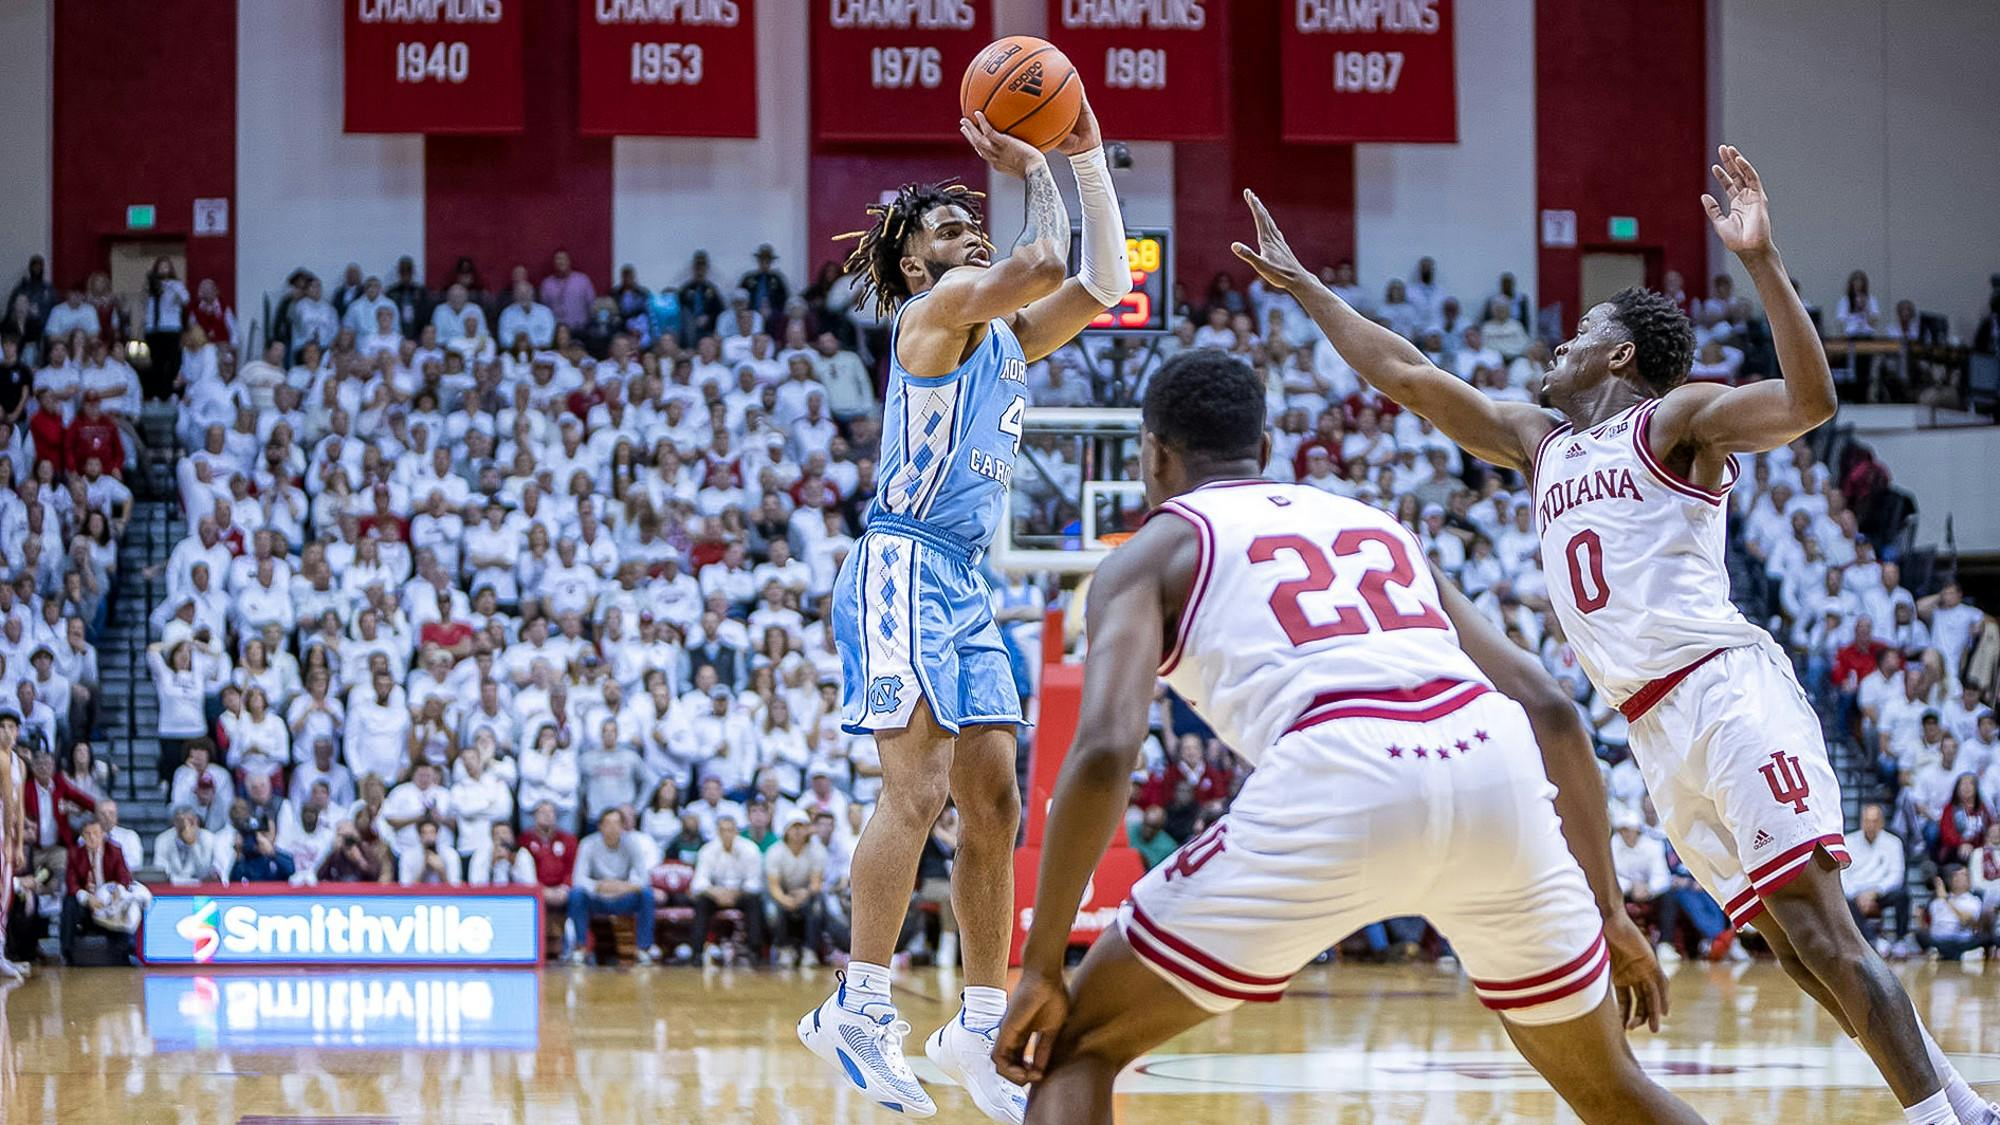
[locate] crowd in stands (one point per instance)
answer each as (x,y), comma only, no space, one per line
(525,584)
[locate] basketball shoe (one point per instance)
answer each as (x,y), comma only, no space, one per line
(964,1051)
(867,1047)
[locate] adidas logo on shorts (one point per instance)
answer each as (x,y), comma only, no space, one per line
(1761,840)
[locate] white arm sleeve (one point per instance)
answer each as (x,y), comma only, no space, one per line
(1105,272)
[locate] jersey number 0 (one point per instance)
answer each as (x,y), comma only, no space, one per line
(1586,558)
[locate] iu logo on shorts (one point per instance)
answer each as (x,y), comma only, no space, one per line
(1788,783)
(1195,854)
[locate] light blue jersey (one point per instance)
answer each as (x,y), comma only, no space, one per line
(912,616)
(948,443)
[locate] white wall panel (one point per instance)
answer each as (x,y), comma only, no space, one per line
(308,194)
(1470,205)
(25,69)
(675,195)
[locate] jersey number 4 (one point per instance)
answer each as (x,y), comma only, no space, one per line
(1348,620)
(1010,421)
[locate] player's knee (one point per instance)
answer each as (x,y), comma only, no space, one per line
(994,813)
(1788,960)
(1100,1048)
(1834,953)
(1820,945)
(914,800)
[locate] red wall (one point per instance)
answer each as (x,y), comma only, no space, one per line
(518,199)
(842,180)
(1621,128)
(1309,188)
(145,112)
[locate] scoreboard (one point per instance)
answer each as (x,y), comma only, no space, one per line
(1148,309)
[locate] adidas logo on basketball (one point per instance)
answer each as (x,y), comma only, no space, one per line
(1761,840)
(1029,81)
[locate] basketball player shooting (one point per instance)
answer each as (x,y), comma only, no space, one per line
(1631,467)
(922,661)
(1391,778)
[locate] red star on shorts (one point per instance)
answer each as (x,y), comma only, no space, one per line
(1443,754)
(1463,746)
(1395,751)
(1480,735)
(1423,753)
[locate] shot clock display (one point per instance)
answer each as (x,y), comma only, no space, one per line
(1148,308)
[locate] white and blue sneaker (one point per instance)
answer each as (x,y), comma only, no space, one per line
(965,1053)
(867,1047)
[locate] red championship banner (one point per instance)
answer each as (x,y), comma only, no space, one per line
(1368,70)
(1155,71)
(433,66)
(668,68)
(888,70)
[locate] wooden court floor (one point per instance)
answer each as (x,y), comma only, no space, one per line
(1349,1044)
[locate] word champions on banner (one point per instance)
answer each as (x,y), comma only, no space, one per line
(668,68)
(1159,68)
(888,70)
(433,66)
(1368,70)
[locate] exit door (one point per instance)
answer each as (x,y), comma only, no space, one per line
(1606,272)
(130,263)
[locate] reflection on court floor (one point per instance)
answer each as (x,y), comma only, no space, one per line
(1369,1045)
(493,1009)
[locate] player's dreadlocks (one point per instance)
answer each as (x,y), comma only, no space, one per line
(878,252)
(1661,333)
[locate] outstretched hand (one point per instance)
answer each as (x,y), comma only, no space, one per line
(1273,258)
(1746,227)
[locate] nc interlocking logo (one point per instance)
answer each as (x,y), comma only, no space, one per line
(200,929)
(884,694)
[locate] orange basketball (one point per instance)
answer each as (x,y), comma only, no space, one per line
(1026,87)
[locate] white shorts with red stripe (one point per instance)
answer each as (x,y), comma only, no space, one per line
(1353,820)
(1737,769)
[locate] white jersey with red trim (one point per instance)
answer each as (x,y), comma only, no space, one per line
(1634,555)
(1304,601)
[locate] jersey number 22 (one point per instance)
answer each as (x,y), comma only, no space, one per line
(1373,587)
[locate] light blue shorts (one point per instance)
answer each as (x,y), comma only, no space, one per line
(913,619)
